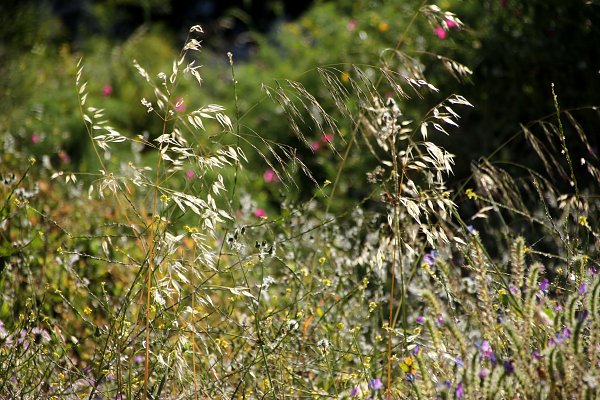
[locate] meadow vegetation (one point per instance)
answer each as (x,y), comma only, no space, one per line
(301,238)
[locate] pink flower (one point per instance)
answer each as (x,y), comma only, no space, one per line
(270,176)
(189,174)
(260,213)
(451,24)
(107,90)
(440,32)
(64,157)
(315,146)
(179,104)
(351,25)
(327,138)
(35,138)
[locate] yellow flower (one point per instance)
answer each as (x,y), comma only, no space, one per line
(372,306)
(383,26)
(87,311)
(345,76)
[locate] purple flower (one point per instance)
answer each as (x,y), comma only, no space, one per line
(40,335)
(486,349)
(138,359)
(23,339)
(430,257)
(460,392)
(509,368)
(420,319)
(593,270)
(513,289)
(582,288)
(536,355)
(354,391)
(471,229)
(410,378)
(544,285)
(415,350)
(584,314)
(439,320)
(375,384)
(483,372)
(565,333)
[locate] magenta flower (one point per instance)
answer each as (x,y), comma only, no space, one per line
(483,372)
(260,213)
(64,157)
(440,32)
(460,392)
(451,24)
(270,176)
(179,104)
(35,138)
(327,138)
(107,90)
(351,25)
(189,174)
(315,146)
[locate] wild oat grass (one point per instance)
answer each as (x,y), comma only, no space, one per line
(158,277)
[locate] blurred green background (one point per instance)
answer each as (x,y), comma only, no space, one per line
(515,49)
